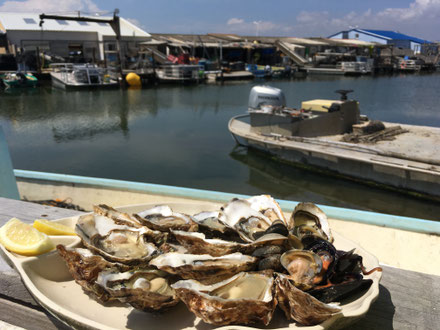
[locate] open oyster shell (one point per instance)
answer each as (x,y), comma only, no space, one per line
(209,220)
(119,218)
(197,243)
(203,266)
(163,218)
(242,299)
(303,267)
(145,289)
(117,243)
(84,266)
(301,306)
(210,225)
(307,218)
(248,222)
(268,206)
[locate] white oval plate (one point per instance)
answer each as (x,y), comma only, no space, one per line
(48,280)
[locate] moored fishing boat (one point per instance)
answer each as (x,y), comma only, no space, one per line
(80,76)
(19,79)
(404,157)
(178,73)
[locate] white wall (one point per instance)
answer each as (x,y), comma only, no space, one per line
(365,37)
(360,36)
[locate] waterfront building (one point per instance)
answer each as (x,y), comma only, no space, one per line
(385,37)
(22,32)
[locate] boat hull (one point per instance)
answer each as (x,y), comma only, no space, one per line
(347,160)
(234,75)
(58,83)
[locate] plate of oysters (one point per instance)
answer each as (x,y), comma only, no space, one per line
(245,264)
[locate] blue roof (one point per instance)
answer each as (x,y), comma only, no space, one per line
(395,35)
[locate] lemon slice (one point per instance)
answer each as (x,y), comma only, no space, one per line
(23,239)
(52,228)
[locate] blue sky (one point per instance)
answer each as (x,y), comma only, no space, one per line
(309,18)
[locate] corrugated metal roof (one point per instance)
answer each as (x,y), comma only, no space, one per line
(395,35)
(30,22)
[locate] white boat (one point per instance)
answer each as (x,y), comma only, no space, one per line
(358,66)
(178,73)
(314,137)
(79,76)
(332,70)
(408,65)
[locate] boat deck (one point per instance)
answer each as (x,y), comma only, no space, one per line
(420,144)
(407,299)
(411,161)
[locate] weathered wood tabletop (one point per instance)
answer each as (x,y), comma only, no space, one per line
(407,300)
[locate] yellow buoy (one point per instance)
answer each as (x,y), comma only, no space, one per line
(133,79)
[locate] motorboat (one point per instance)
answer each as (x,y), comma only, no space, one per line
(80,76)
(348,65)
(178,73)
(408,65)
(19,79)
(333,137)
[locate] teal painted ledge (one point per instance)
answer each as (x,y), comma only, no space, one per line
(371,218)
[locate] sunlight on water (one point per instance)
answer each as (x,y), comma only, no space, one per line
(177,135)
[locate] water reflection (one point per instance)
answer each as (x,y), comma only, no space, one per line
(178,135)
(75,115)
(291,183)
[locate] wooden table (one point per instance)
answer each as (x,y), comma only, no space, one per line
(407,300)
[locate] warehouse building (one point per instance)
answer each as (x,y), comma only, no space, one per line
(384,37)
(22,32)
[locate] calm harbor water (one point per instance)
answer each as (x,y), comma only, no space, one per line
(177,135)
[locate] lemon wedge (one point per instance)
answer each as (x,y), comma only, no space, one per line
(52,228)
(23,239)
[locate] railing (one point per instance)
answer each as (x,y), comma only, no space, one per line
(182,72)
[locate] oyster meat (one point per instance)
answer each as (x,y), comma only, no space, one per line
(303,267)
(242,299)
(308,219)
(203,266)
(210,221)
(210,225)
(268,206)
(144,289)
(248,222)
(117,243)
(163,218)
(84,266)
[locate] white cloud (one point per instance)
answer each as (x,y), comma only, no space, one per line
(240,26)
(45,6)
(234,20)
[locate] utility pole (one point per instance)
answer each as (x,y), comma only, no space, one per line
(114,24)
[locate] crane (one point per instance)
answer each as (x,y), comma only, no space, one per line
(113,22)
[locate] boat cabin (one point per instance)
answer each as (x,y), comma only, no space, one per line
(269,114)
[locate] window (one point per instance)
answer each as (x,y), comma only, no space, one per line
(62,22)
(357,35)
(29,21)
(82,23)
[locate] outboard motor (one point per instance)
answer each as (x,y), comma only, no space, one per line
(266,95)
(344,93)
